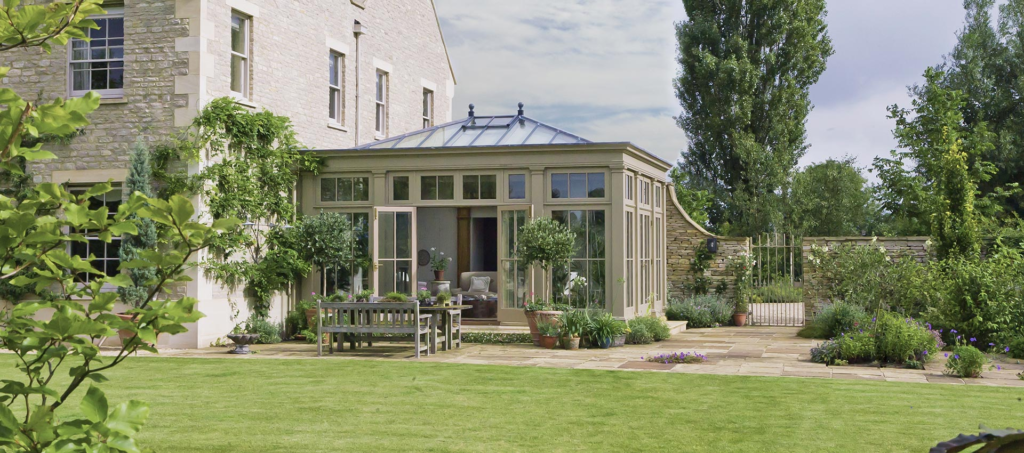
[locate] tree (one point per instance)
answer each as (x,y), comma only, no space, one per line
(828,199)
(986,66)
(545,242)
(745,70)
(933,178)
(139,180)
(695,202)
(36,232)
(327,241)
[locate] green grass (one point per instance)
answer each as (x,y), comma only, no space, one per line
(297,405)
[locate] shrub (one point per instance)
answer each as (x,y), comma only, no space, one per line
(1016,348)
(658,329)
(675,357)
(846,348)
(835,319)
(602,327)
(638,334)
(965,361)
(496,338)
(575,323)
(700,311)
(983,299)
(395,296)
(547,328)
(899,339)
(781,292)
(269,332)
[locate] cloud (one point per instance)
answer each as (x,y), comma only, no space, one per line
(603,69)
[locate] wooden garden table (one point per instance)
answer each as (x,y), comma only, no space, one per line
(444,319)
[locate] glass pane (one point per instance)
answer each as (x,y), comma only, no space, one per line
(237,71)
(595,234)
(577,185)
(386,230)
(98,44)
(361,189)
(560,217)
(508,283)
(116,79)
(578,225)
(117,52)
(564,138)
(488,187)
(466,137)
(413,140)
(99,80)
(100,32)
(332,107)
(560,289)
(361,225)
(344,189)
(578,288)
(400,188)
(560,185)
(596,283)
(403,235)
(381,82)
(238,38)
(445,187)
(98,54)
(595,185)
(471,187)
(328,189)
(521,284)
(508,232)
(428,187)
(332,69)
(520,129)
(517,187)
(386,278)
(542,135)
(403,276)
(490,136)
(115,27)
(80,80)
(79,54)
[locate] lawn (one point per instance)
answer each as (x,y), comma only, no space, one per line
(289,405)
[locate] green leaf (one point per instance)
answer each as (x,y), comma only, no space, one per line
(119,280)
(94,405)
(128,417)
(181,209)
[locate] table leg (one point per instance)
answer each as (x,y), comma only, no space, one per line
(433,334)
(447,331)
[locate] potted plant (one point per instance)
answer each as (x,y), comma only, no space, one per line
(365,295)
(621,331)
(548,334)
(602,329)
(423,297)
(739,315)
(530,309)
(444,298)
(242,338)
(438,264)
(573,323)
(395,296)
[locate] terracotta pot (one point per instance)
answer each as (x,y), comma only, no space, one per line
(531,320)
(123,334)
(571,343)
(438,276)
(311,318)
(548,342)
(740,319)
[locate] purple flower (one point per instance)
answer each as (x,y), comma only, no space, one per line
(999,368)
(946,355)
(874,318)
(1007,349)
(952,330)
(973,339)
(956,356)
(925,352)
(991,344)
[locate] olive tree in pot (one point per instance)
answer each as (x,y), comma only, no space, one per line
(742,269)
(326,240)
(544,243)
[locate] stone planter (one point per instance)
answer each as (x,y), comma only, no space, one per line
(242,342)
(618,341)
(571,343)
(311,318)
(542,316)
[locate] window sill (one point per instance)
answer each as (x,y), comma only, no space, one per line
(243,102)
(336,126)
(120,100)
(378,137)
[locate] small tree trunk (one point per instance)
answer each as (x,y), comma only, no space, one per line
(323,274)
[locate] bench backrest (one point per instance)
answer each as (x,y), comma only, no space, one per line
(385,317)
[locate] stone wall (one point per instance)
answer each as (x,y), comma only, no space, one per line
(683,236)
(913,246)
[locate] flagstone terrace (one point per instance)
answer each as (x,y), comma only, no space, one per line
(750,351)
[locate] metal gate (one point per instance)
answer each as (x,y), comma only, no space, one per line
(777,288)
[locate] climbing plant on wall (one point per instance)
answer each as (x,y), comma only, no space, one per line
(254,162)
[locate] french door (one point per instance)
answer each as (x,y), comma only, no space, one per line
(394,248)
(514,279)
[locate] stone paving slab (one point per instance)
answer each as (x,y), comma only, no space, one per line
(750,351)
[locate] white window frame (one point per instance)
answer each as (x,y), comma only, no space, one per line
(78,189)
(113,12)
(428,108)
(246,56)
(381,104)
(337,92)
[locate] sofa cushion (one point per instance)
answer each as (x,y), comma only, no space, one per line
(479,284)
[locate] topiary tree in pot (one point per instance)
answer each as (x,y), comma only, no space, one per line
(326,240)
(543,242)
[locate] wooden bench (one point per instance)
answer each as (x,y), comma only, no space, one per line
(401,321)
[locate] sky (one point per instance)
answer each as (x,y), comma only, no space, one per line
(603,69)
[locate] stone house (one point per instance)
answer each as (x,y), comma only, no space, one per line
(156,63)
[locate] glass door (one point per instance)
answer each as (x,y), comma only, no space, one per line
(514,279)
(394,245)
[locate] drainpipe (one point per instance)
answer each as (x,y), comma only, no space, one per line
(357,30)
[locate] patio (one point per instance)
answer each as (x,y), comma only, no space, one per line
(750,351)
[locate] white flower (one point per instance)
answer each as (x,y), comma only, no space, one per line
(442,253)
(432,249)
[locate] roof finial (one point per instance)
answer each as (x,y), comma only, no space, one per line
(471,114)
(520,109)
